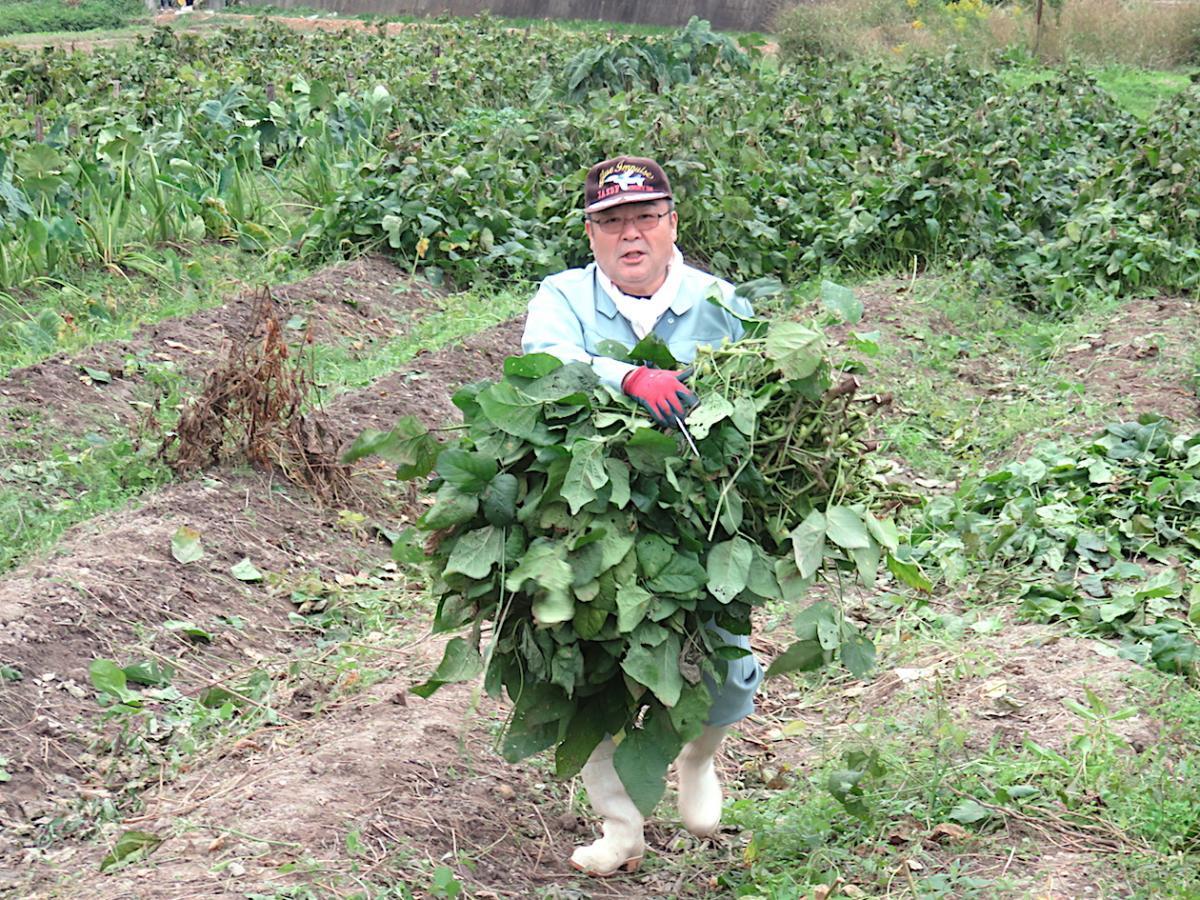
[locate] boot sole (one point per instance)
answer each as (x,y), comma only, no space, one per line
(628,867)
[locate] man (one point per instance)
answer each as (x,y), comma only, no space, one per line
(639,284)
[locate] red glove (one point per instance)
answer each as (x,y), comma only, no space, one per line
(661,392)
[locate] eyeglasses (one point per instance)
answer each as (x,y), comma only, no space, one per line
(613,224)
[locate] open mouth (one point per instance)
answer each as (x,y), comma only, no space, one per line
(633,256)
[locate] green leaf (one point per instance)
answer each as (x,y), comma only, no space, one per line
(408,548)
(149,673)
(909,573)
(808,623)
(690,714)
(846,788)
(866,560)
(795,349)
(808,543)
(762,581)
(545,564)
(653,553)
(189,630)
(451,507)
(476,552)
(566,667)
(538,709)
(712,410)
(531,365)
(649,449)
(408,445)
(653,350)
(968,812)
(682,574)
(884,531)
(573,383)
(185,545)
(858,655)
(510,410)
(500,499)
(845,528)
(586,475)
(130,846)
(802,656)
(584,734)
(618,476)
(109,678)
(642,759)
(613,350)
(632,603)
(245,571)
(469,472)
(461,661)
(841,301)
(728,568)
(657,668)
(98,376)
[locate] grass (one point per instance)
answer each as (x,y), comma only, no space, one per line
(340,368)
(25,16)
(924,792)
(103,305)
(952,336)
(1136,90)
(48,484)
(1140,90)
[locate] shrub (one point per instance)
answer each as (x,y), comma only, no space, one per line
(56,15)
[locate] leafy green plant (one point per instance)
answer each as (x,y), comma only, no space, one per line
(653,64)
(1109,522)
(598,548)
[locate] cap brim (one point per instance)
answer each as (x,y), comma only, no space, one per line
(609,202)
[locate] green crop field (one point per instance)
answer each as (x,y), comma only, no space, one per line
(258,284)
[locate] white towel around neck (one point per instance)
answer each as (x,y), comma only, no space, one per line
(643,313)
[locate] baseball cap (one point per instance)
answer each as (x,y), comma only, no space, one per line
(624,179)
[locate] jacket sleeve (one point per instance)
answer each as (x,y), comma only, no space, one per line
(551,326)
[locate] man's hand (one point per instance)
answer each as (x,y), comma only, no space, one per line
(661,392)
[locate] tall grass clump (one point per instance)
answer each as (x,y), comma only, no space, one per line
(1129,32)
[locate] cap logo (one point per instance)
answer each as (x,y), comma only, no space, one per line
(624,177)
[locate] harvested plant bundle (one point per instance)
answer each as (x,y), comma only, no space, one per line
(597,548)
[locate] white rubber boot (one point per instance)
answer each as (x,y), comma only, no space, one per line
(699,787)
(623,844)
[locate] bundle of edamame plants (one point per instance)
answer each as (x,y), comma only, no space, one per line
(582,551)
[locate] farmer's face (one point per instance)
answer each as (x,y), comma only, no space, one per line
(631,251)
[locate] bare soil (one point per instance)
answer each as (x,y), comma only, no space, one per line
(416,783)
(112,582)
(1144,361)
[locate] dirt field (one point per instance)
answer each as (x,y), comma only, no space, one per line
(337,747)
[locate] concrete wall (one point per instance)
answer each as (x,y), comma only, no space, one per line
(727,15)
